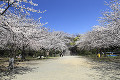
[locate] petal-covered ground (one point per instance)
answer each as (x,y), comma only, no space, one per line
(68,68)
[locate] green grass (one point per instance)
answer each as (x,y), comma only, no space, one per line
(27,58)
(3,60)
(102,58)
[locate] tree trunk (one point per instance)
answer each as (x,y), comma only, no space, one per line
(11,59)
(47,54)
(55,54)
(97,51)
(105,53)
(11,63)
(23,54)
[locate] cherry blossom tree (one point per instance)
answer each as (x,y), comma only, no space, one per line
(111,20)
(18,4)
(13,31)
(43,39)
(112,15)
(106,35)
(18,32)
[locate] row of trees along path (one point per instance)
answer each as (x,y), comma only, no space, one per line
(19,32)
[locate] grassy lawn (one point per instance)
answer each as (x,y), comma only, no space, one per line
(3,60)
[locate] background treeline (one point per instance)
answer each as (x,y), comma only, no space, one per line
(104,37)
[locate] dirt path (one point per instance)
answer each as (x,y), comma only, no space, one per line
(65,68)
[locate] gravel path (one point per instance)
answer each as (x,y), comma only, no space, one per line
(66,68)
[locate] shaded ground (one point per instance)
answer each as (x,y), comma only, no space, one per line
(110,70)
(20,69)
(66,68)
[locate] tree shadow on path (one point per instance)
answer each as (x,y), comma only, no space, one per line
(6,74)
(109,70)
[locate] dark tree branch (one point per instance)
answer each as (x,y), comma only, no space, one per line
(8,2)
(9,5)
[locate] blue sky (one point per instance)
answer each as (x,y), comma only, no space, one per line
(71,16)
